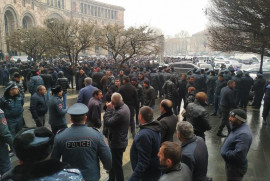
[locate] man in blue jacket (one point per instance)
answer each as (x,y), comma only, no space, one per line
(86,93)
(145,147)
(235,148)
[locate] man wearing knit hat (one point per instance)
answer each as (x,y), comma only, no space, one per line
(235,148)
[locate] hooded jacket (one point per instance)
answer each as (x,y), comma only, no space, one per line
(143,153)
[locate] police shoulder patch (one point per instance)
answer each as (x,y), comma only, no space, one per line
(60,106)
(76,171)
(4,121)
(60,130)
(96,129)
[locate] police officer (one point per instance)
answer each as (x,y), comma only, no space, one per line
(12,105)
(81,146)
(57,114)
(33,147)
(211,83)
(238,82)
(5,140)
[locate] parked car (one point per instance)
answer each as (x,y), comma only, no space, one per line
(206,66)
(182,67)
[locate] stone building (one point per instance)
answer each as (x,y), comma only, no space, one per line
(17,14)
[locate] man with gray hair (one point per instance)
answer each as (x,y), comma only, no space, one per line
(116,121)
(194,151)
(86,93)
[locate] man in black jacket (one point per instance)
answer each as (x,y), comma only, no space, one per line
(117,119)
(258,88)
(139,89)
(182,90)
(63,82)
(94,112)
(227,103)
(48,81)
(197,115)
(130,98)
(167,120)
(38,106)
(220,83)
(148,94)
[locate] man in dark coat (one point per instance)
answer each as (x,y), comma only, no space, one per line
(167,120)
(148,94)
(80,79)
(170,91)
(130,98)
(194,151)
(39,106)
(238,82)
(117,120)
(220,83)
(227,103)
(210,85)
(197,115)
(182,90)
(245,87)
(139,89)
(145,147)
(94,113)
(63,82)
(258,89)
(34,82)
(48,81)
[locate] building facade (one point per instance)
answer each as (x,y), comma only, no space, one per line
(17,14)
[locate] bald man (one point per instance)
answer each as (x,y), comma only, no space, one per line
(167,120)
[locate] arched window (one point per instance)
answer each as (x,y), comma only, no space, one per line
(6,24)
(24,23)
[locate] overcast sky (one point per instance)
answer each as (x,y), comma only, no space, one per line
(171,16)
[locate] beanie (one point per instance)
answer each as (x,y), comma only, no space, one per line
(239,114)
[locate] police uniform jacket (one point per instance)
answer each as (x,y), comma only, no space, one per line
(117,121)
(56,111)
(5,135)
(12,106)
(82,147)
(38,105)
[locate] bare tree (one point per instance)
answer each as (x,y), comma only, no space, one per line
(241,25)
(124,44)
(71,38)
(31,41)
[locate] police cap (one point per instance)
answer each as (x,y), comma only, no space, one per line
(77,109)
(33,144)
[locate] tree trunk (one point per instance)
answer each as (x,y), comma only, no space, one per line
(262,54)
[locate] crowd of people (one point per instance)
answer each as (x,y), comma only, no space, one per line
(128,95)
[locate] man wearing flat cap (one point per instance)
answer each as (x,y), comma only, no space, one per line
(33,147)
(82,146)
(235,148)
(12,105)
